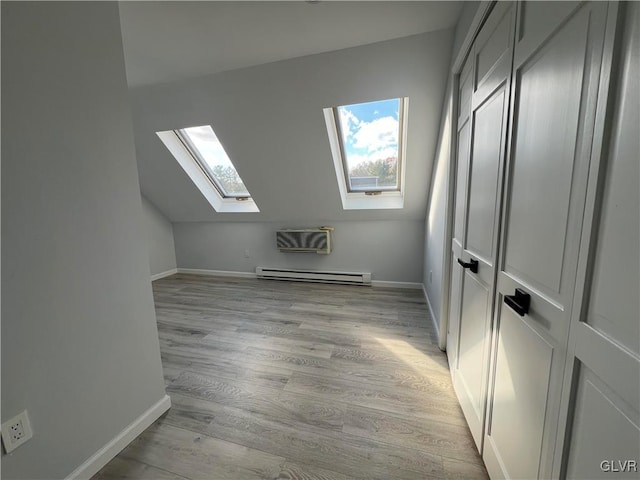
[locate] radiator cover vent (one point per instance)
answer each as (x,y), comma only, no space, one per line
(317,240)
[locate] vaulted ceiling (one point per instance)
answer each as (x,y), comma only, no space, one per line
(254,72)
(169,41)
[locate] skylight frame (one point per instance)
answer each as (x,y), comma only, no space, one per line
(367,199)
(204,166)
(201,180)
(402,101)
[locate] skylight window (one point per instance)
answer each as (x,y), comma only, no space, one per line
(204,160)
(367,143)
(369,140)
(210,155)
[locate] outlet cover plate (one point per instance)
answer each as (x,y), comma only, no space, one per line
(16,431)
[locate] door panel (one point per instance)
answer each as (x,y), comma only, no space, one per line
(471,356)
(615,277)
(465,89)
(605,429)
(470,371)
(497,42)
(453,326)
(523,364)
(484,174)
(461,179)
(556,80)
(538,20)
(548,104)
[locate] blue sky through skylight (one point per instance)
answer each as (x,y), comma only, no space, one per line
(370,136)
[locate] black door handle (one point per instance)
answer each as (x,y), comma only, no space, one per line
(519,302)
(472,265)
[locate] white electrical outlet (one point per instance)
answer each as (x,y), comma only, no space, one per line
(16,431)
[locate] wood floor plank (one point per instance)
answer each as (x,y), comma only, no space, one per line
(220,389)
(285,380)
(295,410)
(394,352)
(314,349)
(441,438)
(169,330)
(198,456)
(358,322)
(397,377)
(302,335)
(388,399)
(295,471)
(457,469)
(121,468)
(323,448)
(170,373)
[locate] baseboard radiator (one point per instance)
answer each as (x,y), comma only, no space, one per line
(351,278)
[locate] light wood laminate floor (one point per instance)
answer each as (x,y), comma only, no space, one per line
(284,380)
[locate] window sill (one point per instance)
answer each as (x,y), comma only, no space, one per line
(360,201)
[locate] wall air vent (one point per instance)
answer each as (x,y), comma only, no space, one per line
(313,240)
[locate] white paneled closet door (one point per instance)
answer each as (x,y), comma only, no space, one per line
(556,73)
(602,374)
(482,133)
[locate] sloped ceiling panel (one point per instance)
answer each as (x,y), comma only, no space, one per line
(175,40)
(269,119)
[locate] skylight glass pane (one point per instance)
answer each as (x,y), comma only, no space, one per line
(369,135)
(215,160)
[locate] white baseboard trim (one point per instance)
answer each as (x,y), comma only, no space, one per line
(99,459)
(160,275)
(434,319)
(387,284)
(217,273)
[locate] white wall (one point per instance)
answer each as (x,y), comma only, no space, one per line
(434,246)
(270,120)
(79,340)
(390,250)
(159,237)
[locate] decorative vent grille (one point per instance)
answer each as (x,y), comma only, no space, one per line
(307,240)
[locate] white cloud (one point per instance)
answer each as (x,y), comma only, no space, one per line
(378,134)
(348,121)
(369,141)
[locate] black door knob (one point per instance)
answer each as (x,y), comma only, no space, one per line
(519,302)
(472,265)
